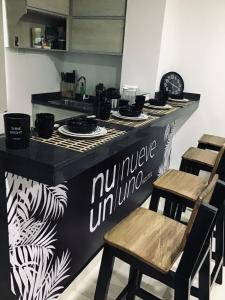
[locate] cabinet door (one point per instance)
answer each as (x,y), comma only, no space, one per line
(97,35)
(56,6)
(115,8)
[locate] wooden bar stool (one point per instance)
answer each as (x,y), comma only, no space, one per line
(183,184)
(206,196)
(212,142)
(195,160)
(151,243)
(216,196)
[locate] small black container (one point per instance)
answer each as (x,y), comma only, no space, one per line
(139,102)
(160,98)
(130,111)
(105,110)
(82,125)
(17,130)
(44,125)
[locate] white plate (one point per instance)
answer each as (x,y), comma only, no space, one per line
(165,107)
(179,100)
(100,131)
(142,117)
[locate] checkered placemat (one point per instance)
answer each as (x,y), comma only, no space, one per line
(79,145)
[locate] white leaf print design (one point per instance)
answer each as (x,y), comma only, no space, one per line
(168,138)
(33,209)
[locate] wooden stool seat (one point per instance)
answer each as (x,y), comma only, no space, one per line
(181,184)
(152,238)
(214,140)
(150,243)
(202,156)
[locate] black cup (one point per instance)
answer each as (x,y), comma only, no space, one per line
(161,98)
(105,110)
(17,130)
(45,125)
(139,102)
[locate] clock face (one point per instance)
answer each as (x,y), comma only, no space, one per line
(172,83)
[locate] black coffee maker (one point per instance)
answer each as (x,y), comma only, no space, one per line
(103,105)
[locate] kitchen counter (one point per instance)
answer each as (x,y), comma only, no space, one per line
(54,164)
(67,193)
(58,101)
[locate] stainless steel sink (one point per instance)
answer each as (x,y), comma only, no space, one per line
(64,102)
(69,103)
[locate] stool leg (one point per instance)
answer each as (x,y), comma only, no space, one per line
(195,171)
(154,203)
(202,146)
(219,249)
(134,283)
(205,279)
(179,211)
(219,279)
(183,165)
(167,208)
(105,274)
(186,166)
(182,290)
(170,207)
(173,210)
(224,235)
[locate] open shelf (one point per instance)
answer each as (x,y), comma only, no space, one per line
(20,29)
(40,49)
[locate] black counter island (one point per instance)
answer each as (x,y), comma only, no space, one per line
(59,197)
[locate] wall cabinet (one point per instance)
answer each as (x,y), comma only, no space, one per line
(97,35)
(24,15)
(114,8)
(98,26)
(56,6)
(95,26)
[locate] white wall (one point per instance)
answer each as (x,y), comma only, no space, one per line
(96,68)
(29,73)
(142,43)
(3,100)
(193,44)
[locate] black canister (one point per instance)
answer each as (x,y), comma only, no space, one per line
(17,130)
(105,110)
(100,90)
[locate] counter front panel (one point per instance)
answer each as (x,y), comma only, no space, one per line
(60,202)
(54,231)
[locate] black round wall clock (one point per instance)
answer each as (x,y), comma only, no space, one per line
(172,83)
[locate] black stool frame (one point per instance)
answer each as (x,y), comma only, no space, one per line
(196,257)
(173,208)
(195,168)
(208,146)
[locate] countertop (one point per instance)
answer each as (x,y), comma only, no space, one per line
(53,165)
(48,99)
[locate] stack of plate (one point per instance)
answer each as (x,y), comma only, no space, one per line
(165,107)
(179,100)
(141,117)
(100,131)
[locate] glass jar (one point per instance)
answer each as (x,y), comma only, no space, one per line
(129,93)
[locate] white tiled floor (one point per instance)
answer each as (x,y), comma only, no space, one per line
(83,287)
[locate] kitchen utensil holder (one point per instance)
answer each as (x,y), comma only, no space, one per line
(68,89)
